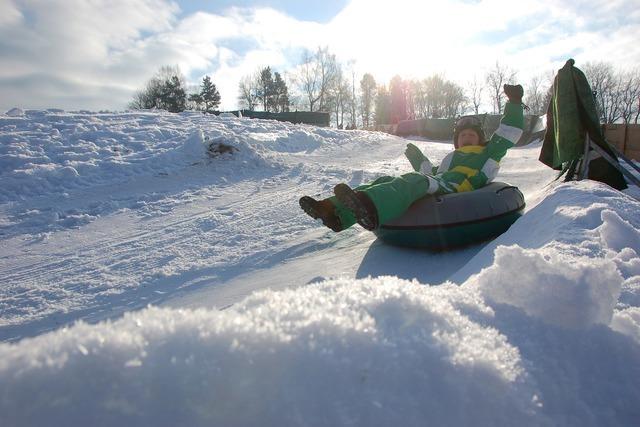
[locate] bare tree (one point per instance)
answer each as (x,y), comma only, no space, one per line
(547,94)
(637,108)
(315,76)
(434,96)
(418,98)
(248,89)
(353,104)
(536,94)
(629,88)
(398,89)
(496,79)
(383,106)
(338,98)
(352,101)
(614,102)
(368,91)
(295,98)
(453,99)
(475,89)
(410,100)
(444,98)
(602,79)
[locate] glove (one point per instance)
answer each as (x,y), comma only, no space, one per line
(415,156)
(514,93)
(418,160)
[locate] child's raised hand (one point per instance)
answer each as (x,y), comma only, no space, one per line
(514,93)
(411,149)
(414,155)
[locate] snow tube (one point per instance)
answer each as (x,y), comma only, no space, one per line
(454,220)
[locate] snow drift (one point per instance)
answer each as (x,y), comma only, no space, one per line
(529,340)
(540,327)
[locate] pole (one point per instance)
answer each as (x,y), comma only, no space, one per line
(615,164)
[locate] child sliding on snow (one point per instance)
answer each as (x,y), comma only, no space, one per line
(472,165)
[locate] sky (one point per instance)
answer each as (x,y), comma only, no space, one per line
(75,54)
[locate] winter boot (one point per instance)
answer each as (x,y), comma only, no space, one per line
(323,209)
(360,204)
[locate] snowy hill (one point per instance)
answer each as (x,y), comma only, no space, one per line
(262,317)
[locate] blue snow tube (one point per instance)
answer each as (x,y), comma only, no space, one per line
(454,220)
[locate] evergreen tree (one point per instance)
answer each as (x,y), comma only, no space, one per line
(265,93)
(209,95)
(280,94)
(165,90)
(196,99)
(173,97)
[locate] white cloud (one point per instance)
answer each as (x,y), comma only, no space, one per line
(261,36)
(74,46)
(75,33)
(9,13)
(95,54)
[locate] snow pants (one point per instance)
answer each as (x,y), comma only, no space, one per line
(392,196)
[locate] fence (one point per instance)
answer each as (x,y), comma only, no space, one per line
(442,129)
(306,117)
(625,138)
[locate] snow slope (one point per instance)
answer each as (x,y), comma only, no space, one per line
(102,214)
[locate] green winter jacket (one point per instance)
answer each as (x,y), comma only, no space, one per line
(472,167)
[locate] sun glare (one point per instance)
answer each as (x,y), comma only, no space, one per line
(407,38)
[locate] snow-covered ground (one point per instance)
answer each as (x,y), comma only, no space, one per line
(261,316)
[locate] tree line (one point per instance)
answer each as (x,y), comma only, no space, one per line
(167,90)
(321,83)
(266,90)
(617,92)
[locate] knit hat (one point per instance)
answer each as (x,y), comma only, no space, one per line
(468,122)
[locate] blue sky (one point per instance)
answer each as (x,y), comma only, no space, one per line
(317,11)
(76,54)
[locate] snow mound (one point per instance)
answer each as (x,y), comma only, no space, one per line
(374,351)
(544,328)
(617,234)
(573,293)
(577,268)
(79,158)
(576,219)
(227,116)
(194,146)
(379,351)
(55,152)
(15,112)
